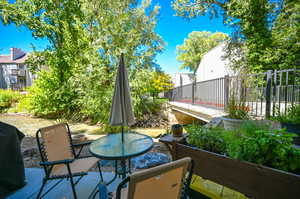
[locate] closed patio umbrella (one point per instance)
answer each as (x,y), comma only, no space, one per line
(121,113)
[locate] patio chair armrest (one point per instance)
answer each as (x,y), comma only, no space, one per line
(103,192)
(82,144)
(66,161)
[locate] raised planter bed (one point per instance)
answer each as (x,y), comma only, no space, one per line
(293,128)
(254,181)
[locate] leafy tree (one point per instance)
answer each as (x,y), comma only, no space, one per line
(57,21)
(86,39)
(160,82)
(195,46)
(284,52)
(60,22)
(258,35)
(151,82)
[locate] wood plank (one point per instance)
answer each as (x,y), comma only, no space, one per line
(253,180)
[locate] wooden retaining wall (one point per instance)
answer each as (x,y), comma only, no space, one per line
(253,180)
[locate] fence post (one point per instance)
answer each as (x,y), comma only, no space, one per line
(180,90)
(226,90)
(268,93)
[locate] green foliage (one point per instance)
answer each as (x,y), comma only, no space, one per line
(158,82)
(292,115)
(23,106)
(206,138)
(253,142)
(8,98)
(195,46)
(234,141)
(284,51)
(76,72)
(140,89)
(237,109)
(50,97)
(265,33)
(271,148)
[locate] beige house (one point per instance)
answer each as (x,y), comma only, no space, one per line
(14,74)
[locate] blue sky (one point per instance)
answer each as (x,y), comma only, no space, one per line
(173,30)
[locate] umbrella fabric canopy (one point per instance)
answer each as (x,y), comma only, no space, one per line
(121,113)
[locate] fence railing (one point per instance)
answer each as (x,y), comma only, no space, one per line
(266,94)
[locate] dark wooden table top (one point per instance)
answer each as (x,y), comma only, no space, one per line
(169,138)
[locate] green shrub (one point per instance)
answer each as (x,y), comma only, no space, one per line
(143,105)
(50,98)
(250,126)
(8,98)
(292,115)
(272,148)
(206,138)
(253,142)
(237,109)
(22,106)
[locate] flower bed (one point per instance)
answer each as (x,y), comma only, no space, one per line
(235,159)
(253,142)
(253,180)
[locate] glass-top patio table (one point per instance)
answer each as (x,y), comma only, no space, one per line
(111,147)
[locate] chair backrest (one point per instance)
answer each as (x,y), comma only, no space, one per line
(55,143)
(161,182)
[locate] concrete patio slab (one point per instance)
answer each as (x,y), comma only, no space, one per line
(85,186)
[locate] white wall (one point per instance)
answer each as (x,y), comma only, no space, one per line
(186,78)
(213,65)
(6,74)
(7,79)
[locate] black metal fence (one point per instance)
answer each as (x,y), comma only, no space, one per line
(266,94)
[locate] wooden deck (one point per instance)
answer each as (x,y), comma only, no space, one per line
(85,186)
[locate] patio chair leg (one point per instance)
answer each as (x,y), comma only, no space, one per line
(99,168)
(72,182)
(129,166)
(41,189)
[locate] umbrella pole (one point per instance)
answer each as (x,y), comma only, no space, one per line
(122,133)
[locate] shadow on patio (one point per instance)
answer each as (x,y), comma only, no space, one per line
(84,188)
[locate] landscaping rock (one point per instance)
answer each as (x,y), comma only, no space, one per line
(151,121)
(150,160)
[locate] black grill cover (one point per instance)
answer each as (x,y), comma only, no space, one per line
(12,174)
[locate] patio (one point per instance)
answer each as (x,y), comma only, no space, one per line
(85,186)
